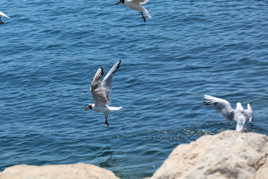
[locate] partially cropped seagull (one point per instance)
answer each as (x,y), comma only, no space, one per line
(101,90)
(2,15)
(137,5)
(240,115)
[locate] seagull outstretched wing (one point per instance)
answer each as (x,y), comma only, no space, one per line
(249,113)
(107,80)
(98,92)
(221,105)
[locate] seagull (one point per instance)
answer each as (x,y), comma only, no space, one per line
(2,15)
(240,115)
(137,5)
(101,90)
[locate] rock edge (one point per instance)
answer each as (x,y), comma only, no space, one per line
(227,155)
(68,171)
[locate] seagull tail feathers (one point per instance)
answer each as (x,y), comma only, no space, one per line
(146,14)
(112,108)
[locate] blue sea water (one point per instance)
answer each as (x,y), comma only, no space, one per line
(50,50)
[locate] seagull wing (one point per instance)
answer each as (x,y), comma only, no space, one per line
(3,15)
(97,90)
(249,113)
(107,80)
(96,79)
(222,105)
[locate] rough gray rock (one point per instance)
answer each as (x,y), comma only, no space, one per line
(71,171)
(228,155)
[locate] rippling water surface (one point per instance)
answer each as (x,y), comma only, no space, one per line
(49,51)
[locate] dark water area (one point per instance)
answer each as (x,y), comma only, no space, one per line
(50,50)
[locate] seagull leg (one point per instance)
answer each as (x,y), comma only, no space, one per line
(106,119)
(143,17)
(1,22)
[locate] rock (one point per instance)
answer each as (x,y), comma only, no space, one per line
(228,155)
(70,171)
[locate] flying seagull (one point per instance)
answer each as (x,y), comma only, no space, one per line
(137,5)
(101,90)
(2,15)
(240,115)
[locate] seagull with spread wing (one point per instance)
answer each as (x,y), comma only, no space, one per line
(2,15)
(101,90)
(240,115)
(137,5)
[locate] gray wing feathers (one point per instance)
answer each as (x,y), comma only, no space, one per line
(96,79)
(107,81)
(221,105)
(101,89)
(98,92)
(249,113)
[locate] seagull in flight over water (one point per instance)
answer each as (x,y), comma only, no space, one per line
(137,5)
(2,15)
(101,90)
(240,115)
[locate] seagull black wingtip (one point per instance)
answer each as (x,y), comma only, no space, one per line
(102,70)
(119,64)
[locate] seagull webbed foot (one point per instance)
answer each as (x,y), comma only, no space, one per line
(106,123)
(143,17)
